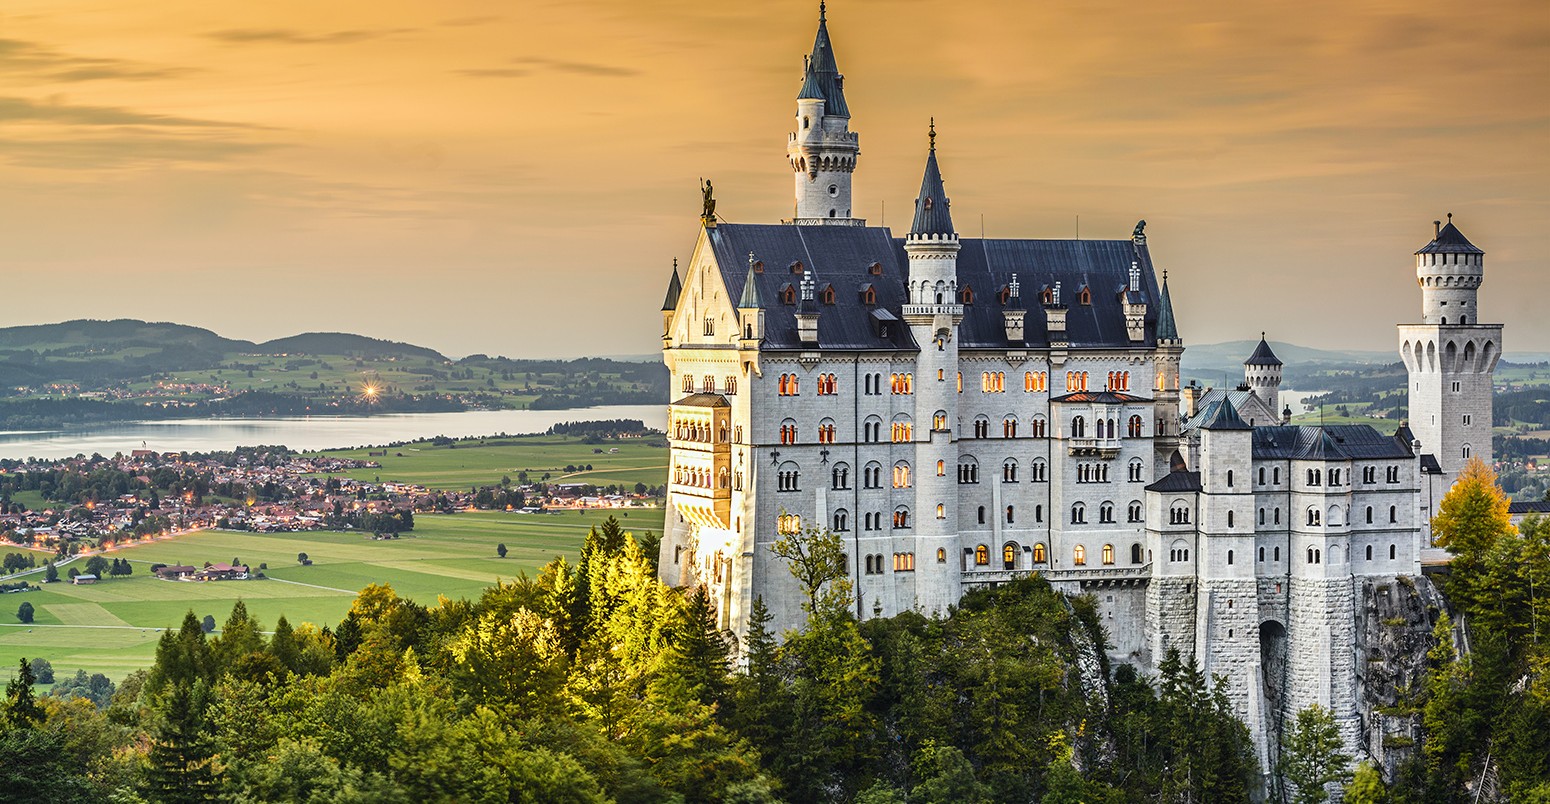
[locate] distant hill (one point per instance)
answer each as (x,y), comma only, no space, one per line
(86,335)
(342,343)
(1229,357)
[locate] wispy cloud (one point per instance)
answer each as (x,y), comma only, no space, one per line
(47,64)
(293,36)
(57,111)
(530,65)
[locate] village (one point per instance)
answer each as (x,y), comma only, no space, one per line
(84,503)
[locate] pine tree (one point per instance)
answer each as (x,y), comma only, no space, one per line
(51,574)
(21,708)
(181,760)
(700,658)
(282,646)
(240,636)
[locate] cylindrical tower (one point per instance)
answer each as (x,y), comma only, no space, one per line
(823,150)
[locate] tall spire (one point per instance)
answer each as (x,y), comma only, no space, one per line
(750,297)
(824,72)
(931,207)
(1166,328)
(674,288)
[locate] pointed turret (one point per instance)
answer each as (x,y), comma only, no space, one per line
(675,287)
(824,72)
(823,149)
(1225,417)
(1262,374)
(932,216)
(1167,330)
(1263,355)
(750,310)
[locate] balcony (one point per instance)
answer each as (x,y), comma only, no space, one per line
(1093,447)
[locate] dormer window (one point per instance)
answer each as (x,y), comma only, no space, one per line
(1085,297)
(1004,295)
(828,294)
(868,294)
(967,296)
(927,202)
(788,294)
(758,267)
(876,269)
(796,267)
(1047,296)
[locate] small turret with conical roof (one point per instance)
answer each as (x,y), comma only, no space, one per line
(1262,374)
(675,288)
(932,243)
(750,310)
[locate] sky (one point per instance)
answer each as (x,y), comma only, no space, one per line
(483,176)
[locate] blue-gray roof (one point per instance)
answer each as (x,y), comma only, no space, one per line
(750,298)
(843,256)
(1450,240)
(1330,443)
(1226,418)
(824,72)
(1263,356)
(674,288)
(1166,328)
(932,215)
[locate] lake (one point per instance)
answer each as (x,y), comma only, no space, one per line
(303,433)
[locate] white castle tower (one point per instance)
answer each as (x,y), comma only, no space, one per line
(823,149)
(1450,355)
(933,314)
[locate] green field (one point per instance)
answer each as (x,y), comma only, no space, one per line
(111,627)
(469,465)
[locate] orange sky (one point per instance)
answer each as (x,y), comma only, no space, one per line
(515,178)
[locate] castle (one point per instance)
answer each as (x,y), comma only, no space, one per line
(966,411)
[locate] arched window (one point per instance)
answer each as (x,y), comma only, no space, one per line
(1106,512)
(1369,552)
(981,427)
(1039,471)
(941,511)
(1229,519)
(1393,550)
(1040,427)
(901,517)
(1009,427)
(1135,553)
(841,520)
(1108,554)
(826,431)
(941,555)
(1078,427)
(1079,556)
(901,475)
(941,468)
(1010,513)
(872,476)
(841,476)
(1369,515)
(1009,556)
(1229,556)
(1009,471)
(1133,430)
(981,515)
(1393,513)
(939,420)
(1134,514)
(982,556)
(1040,554)
(1078,514)
(789,477)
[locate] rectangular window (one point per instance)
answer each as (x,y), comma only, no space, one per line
(1467,419)
(1456,386)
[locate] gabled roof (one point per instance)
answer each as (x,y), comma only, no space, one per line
(703,401)
(1177,481)
(675,287)
(1450,240)
(1263,356)
(932,216)
(1341,442)
(1248,406)
(1225,418)
(1099,397)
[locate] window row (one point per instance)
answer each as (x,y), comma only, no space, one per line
(707,384)
(698,431)
(700,478)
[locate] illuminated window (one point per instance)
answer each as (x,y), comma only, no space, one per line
(982,556)
(1079,556)
(1108,554)
(1040,554)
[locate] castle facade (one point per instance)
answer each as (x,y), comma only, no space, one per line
(965,411)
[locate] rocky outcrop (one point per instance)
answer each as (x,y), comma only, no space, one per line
(1393,635)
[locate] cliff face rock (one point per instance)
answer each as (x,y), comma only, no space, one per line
(1393,635)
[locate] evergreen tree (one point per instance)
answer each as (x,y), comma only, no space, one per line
(700,657)
(51,573)
(21,707)
(24,612)
(240,636)
(282,646)
(181,763)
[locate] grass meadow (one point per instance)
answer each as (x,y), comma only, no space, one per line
(483,462)
(112,627)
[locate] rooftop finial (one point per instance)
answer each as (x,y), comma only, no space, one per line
(823,10)
(1261,334)
(1450,217)
(675,265)
(933,133)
